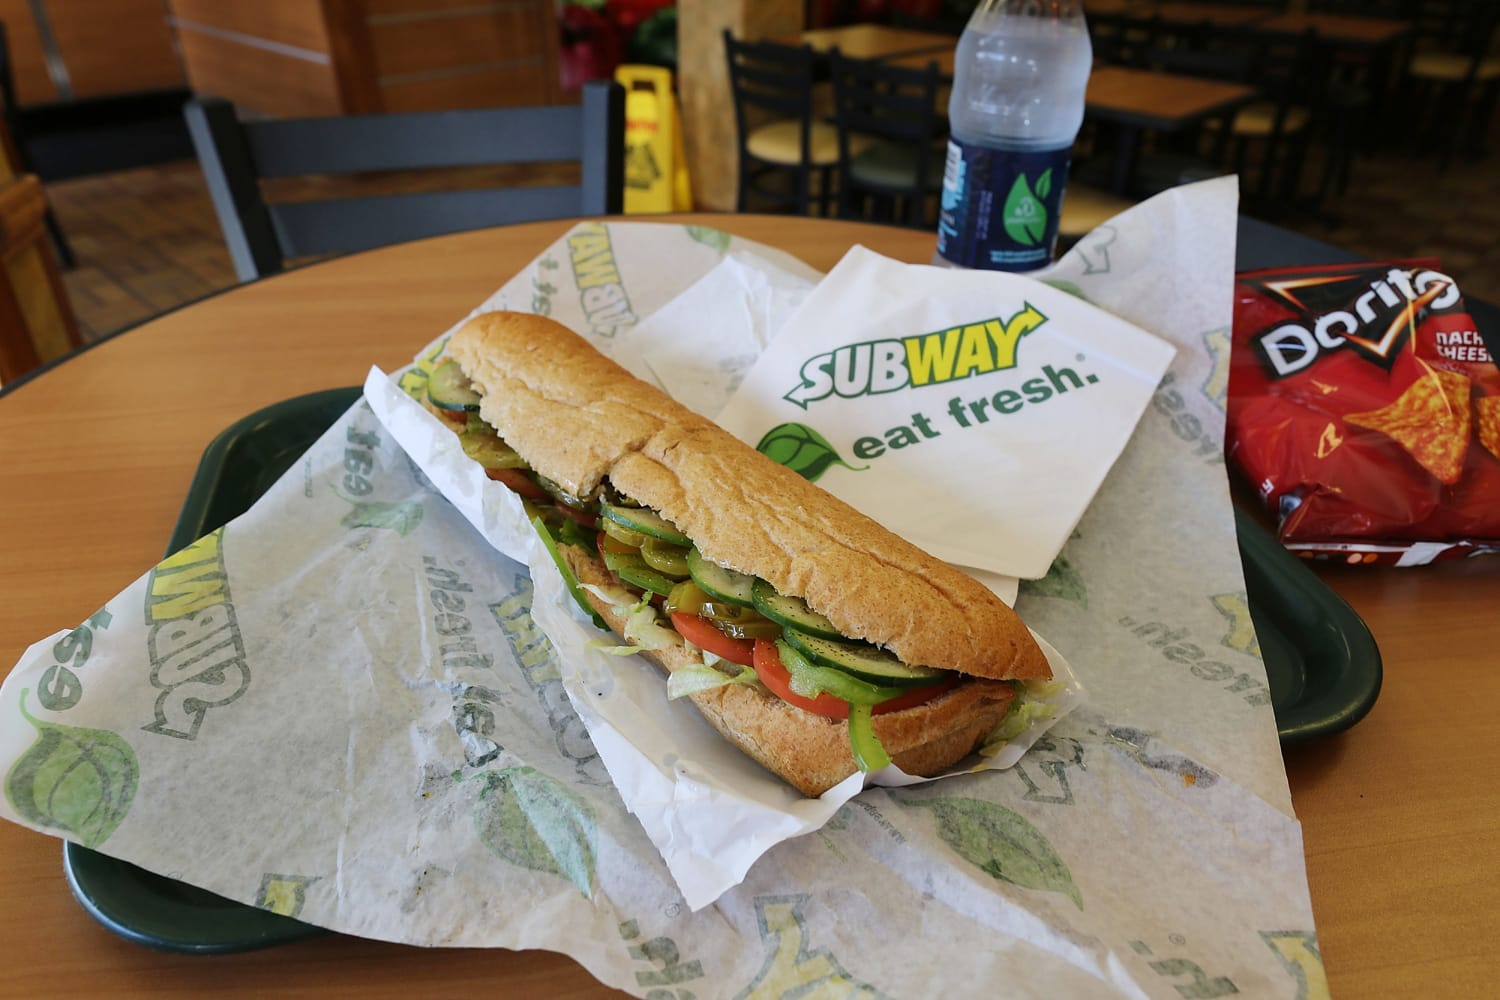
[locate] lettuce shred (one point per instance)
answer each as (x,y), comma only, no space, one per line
(618,598)
(705,677)
(1029,708)
(642,631)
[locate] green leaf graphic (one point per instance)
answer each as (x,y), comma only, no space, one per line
(1025,216)
(1062,581)
(708,236)
(533,821)
(402,517)
(79,781)
(1043,185)
(803,450)
(1001,843)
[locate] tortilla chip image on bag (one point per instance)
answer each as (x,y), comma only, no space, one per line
(1356,393)
(1430,419)
(1487,423)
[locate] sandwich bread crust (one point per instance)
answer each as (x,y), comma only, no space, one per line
(579,419)
(811,752)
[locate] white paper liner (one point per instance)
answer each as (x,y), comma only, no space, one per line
(1145,846)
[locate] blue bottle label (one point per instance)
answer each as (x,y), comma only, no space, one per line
(1000,207)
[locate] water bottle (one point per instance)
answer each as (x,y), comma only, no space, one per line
(1018,92)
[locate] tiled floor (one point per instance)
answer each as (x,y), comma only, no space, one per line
(147,240)
(1403,207)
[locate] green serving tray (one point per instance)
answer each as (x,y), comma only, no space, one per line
(1321,663)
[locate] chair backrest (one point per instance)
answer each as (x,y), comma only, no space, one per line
(895,105)
(36,322)
(1465,27)
(773,79)
(941,22)
(1195,50)
(237,156)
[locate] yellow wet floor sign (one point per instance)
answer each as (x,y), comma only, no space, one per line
(656,175)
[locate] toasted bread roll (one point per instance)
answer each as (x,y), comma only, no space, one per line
(580,419)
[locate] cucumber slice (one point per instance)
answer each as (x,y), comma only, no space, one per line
(448,388)
(792,612)
(647,522)
(862,660)
(810,680)
(720,582)
(633,570)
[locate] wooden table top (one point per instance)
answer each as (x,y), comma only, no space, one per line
(874,41)
(1341,29)
(1401,815)
(1145,97)
(1218,15)
(1155,99)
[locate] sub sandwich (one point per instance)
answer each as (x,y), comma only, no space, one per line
(813,639)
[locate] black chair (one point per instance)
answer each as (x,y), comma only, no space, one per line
(1452,76)
(1265,142)
(948,20)
(891,139)
(237,155)
(1292,78)
(783,145)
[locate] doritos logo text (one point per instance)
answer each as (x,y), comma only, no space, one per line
(879,366)
(1347,309)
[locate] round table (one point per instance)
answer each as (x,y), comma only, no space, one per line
(1401,814)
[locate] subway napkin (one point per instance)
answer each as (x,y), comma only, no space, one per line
(975,413)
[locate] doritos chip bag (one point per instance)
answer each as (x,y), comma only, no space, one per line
(1364,407)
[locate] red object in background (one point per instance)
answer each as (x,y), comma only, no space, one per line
(627,15)
(1365,410)
(594,37)
(832,13)
(589,48)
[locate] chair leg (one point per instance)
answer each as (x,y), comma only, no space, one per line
(825,190)
(60,243)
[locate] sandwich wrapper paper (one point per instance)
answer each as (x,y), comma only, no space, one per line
(345,706)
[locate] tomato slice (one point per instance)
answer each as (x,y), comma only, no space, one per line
(774,675)
(701,633)
(519,482)
(459,418)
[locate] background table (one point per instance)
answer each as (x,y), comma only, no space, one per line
(873,41)
(1401,814)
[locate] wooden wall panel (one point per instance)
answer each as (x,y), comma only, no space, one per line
(115,46)
(483,89)
(387,8)
(290,22)
(453,55)
(708,129)
(28,61)
(305,57)
(269,82)
(487,38)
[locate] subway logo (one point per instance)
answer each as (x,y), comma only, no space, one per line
(873,367)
